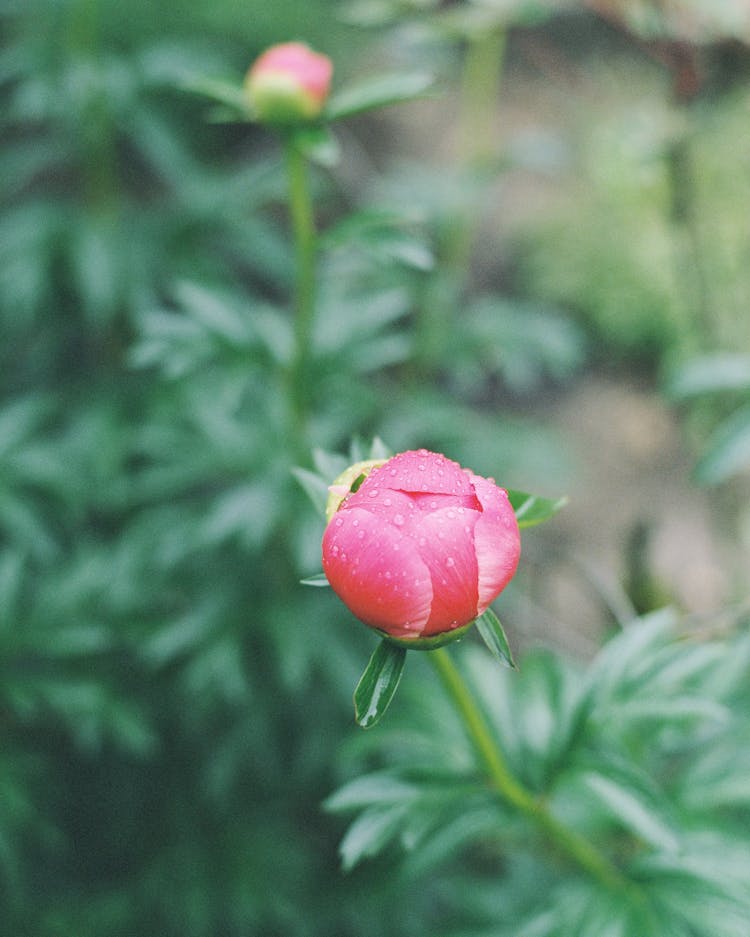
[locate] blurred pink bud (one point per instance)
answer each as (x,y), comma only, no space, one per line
(288,84)
(422,547)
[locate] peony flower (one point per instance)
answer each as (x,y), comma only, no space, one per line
(288,83)
(422,547)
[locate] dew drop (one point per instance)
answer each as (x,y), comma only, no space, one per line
(421,467)
(394,472)
(387,575)
(433,504)
(355,523)
(450,561)
(398,520)
(361,534)
(422,541)
(373,492)
(423,452)
(335,551)
(339,522)
(451,514)
(387,502)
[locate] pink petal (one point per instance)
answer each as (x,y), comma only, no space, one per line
(376,571)
(497,541)
(421,471)
(445,540)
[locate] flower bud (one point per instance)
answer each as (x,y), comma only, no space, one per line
(421,548)
(288,84)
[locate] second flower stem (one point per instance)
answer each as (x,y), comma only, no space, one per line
(303,229)
(567,841)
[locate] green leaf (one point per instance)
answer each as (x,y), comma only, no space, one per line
(633,810)
(318,144)
(709,374)
(531,509)
(316,488)
(377,92)
(378,683)
(222,92)
(319,579)
(729,450)
(493,635)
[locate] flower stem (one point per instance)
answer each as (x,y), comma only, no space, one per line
(566,841)
(303,230)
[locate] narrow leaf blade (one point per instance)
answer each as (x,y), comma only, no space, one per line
(378,92)
(378,683)
(319,579)
(493,635)
(531,509)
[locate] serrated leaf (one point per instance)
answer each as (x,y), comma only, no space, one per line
(381,91)
(729,450)
(493,635)
(378,683)
(315,487)
(319,579)
(531,509)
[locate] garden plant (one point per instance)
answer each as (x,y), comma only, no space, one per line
(267,489)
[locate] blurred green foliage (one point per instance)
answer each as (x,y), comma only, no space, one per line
(173,707)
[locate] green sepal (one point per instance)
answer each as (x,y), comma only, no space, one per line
(428,643)
(378,683)
(531,509)
(493,635)
(319,579)
(378,92)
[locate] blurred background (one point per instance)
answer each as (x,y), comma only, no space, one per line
(542,269)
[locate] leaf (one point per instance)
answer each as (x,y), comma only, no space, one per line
(222,92)
(729,450)
(378,683)
(377,92)
(319,579)
(632,810)
(318,144)
(379,788)
(493,635)
(315,487)
(709,374)
(370,832)
(531,509)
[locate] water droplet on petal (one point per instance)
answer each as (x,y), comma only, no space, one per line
(387,575)
(422,541)
(335,551)
(339,522)
(387,502)
(394,472)
(355,523)
(373,492)
(361,534)
(421,467)
(398,520)
(450,561)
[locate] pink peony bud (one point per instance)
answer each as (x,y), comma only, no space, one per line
(288,84)
(422,547)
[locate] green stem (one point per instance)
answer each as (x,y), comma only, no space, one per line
(567,841)
(303,230)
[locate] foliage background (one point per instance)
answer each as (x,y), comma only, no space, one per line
(174,709)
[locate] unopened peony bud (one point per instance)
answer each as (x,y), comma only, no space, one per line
(422,547)
(288,84)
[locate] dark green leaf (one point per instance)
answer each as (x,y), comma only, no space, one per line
(494,637)
(378,92)
(378,683)
(531,509)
